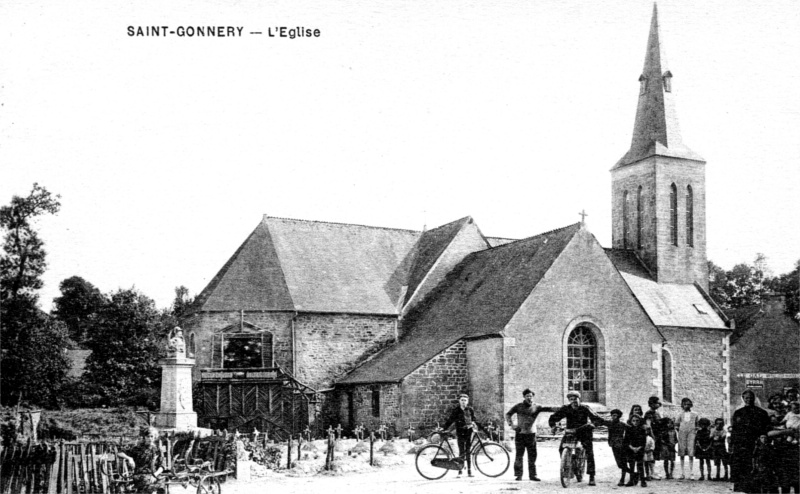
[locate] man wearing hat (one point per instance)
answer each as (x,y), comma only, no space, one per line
(525,438)
(578,415)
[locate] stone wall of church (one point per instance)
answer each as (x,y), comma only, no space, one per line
(699,366)
(581,288)
(373,406)
(670,263)
(203,325)
(485,370)
(330,345)
(432,390)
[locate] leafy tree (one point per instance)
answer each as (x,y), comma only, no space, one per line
(77,307)
(126,340)
(34,364)
(788,284)
(743,285)
(182,303)
(23,261)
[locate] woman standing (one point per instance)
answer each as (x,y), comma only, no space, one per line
(749,422)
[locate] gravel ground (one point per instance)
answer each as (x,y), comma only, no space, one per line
(403,478)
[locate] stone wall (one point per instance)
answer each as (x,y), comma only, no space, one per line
(670,263)
(582,288)
(431,391)
(699,367)
(485,359)
(330,345)
(363,412)
(205,324)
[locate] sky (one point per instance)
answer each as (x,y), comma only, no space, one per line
(167,150)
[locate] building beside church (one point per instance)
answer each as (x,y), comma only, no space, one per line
(375,325)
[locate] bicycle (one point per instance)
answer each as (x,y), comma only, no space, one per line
(434,460)
(573,456)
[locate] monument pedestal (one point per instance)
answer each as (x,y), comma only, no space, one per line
(176,395)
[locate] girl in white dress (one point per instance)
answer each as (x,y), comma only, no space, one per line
(687,430)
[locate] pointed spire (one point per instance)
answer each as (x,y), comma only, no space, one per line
(656,130)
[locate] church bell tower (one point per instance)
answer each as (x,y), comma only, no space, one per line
(658,187)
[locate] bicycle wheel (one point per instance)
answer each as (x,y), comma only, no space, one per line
(491,459)
(566,467)
(580,461)
(209,485)
(424,461)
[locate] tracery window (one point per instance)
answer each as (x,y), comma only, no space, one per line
(582,363)
(673,214)
(242,350)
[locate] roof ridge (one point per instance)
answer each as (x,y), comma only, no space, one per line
(300,220)
(449,223)
(556,230)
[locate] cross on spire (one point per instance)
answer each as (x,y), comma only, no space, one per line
(583,214)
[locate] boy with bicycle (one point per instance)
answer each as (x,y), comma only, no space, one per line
(578,415)
(463,416)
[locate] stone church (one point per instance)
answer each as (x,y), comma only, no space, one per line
(372,325)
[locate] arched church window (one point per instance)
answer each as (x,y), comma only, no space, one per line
(673,214)
(582,363)
(642,84)
(191,345)
(639,221)
(689,216)
(625,220)
(666,375)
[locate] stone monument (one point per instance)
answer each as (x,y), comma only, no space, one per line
(176,386)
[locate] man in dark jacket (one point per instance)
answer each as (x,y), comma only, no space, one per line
(525,438)
(463,416)
(578,415)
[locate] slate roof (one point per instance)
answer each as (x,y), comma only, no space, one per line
(667,304)
(744,319)
(477,298)
(430,246)
(289,264)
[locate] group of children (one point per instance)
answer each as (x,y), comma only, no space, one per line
(649,437)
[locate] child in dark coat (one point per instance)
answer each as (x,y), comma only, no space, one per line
(702,447)
(634,443)
(719,452)
(616,440)
(669,438)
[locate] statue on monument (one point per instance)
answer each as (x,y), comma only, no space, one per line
(176,347)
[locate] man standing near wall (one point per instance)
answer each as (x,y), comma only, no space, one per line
(525,438)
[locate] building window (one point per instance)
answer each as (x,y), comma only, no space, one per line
(639,221)
(242,350)
(689,216)
(642,84)
(667,78)
(625,220)
(191,345)
(673,214)
(666,375)
(376,401)
(582,363)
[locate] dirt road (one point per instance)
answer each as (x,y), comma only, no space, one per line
(405,479)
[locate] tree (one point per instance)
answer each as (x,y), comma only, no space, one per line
(23,261)
(126,340)
(34,364)
(788,284)
(182,303)
(743,285)
(77,307)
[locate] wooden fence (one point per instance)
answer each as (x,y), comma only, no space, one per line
(83,468)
